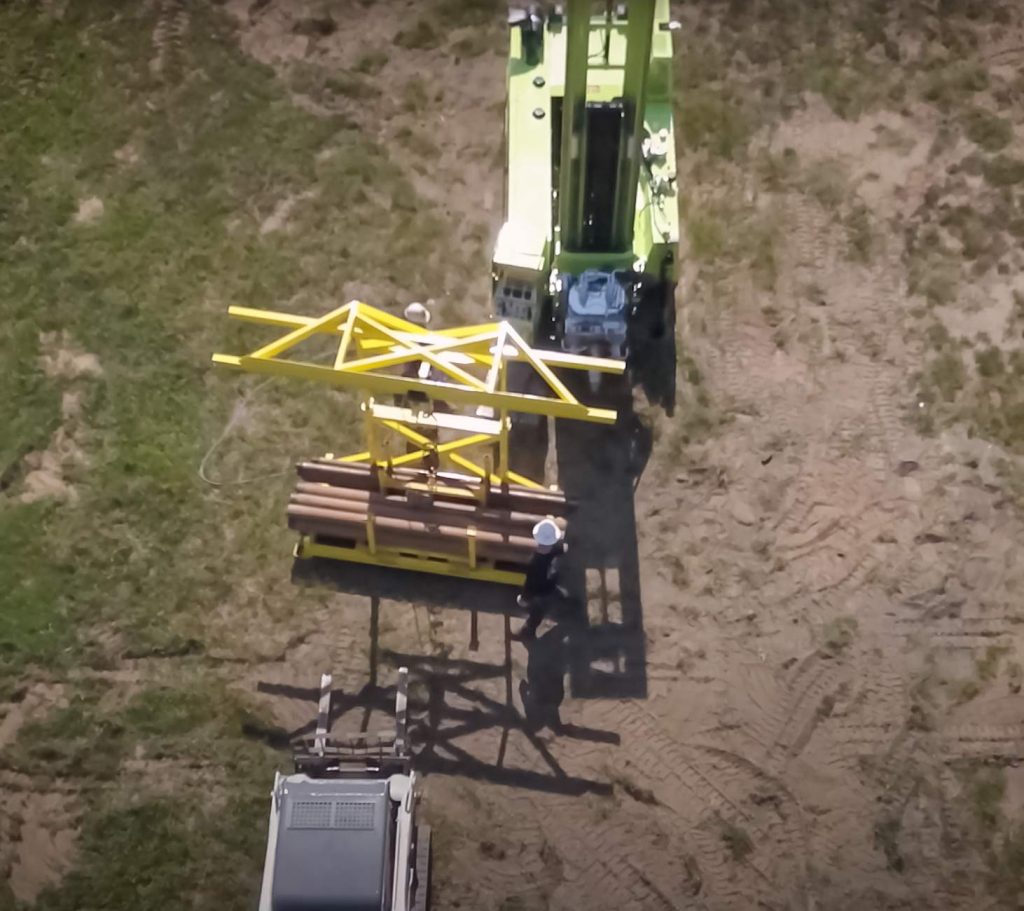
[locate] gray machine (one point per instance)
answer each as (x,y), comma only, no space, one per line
(343,831)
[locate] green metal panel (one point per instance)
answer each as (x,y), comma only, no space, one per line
(526,237)
(639,36)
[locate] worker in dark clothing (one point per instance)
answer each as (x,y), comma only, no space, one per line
(541,576)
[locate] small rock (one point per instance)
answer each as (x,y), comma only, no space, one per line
(907,466)
(742,512)
(127,154)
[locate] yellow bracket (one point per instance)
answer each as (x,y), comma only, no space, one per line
(423,562)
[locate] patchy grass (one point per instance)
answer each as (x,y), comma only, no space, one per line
(148,552)
(969,228)
(887,836)
(471,13)
(988,130)
(145,288)
(163,852)
(950,84)
(1004,171)
(988,664)
(838,635)
(932,269)
(422,35)
(737,841)
(205,841)
(986,787)
(371,62)
(945,375)
(706,234)
(827,181)
(726,234)
(860,234)
(712,120)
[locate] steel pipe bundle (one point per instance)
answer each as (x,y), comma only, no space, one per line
(344,502)
(354,475)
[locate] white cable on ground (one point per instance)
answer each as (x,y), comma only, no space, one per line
(237,413)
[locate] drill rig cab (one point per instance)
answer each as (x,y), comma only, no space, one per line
(586,260)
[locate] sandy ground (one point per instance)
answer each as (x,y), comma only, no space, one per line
(765,706)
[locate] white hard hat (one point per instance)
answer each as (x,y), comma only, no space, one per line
(417,313)
(546,533)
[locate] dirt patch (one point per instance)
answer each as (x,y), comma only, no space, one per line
(278,219)
(90,210)
(885,155)
(172,25)
(38,837)
(61,359)
(36,701)
(45,470)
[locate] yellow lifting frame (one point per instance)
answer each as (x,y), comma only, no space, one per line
(372,341)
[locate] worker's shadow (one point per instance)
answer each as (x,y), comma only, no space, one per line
(543,689)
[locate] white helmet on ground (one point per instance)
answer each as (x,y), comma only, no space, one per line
(417,313)
(546,533)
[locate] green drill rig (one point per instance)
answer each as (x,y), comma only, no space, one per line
(587,257)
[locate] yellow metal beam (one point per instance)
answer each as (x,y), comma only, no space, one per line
(558,360)
(346,338)
(438,564)
(399,385)
(556,385)
(290,339)
(402,352)
(422,353)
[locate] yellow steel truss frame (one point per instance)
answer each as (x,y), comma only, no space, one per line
(469,368)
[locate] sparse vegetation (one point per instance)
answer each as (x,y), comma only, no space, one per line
(859,233)
(713,121)
(826,181)
(737,841)
(988,664)
(1004,171)
(422,35)
(887,836)
(988,130)
(839,634)
(372,62)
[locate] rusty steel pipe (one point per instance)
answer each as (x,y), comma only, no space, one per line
(510,544)
(454,512)
(363,470)
(412,513)
(411,544)
(398,533)
(410,526)
(351,476)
